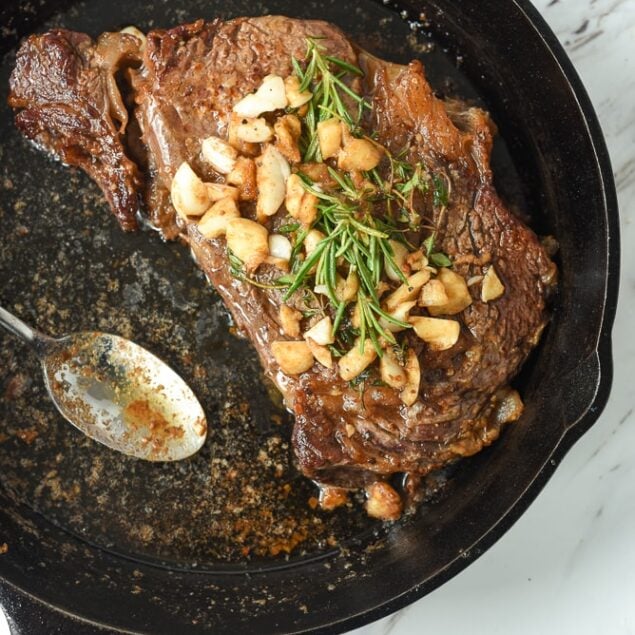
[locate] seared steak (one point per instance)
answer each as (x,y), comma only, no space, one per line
(64,87)
(182,88)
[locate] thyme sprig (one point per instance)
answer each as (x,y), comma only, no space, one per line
(237,270)
(357,240)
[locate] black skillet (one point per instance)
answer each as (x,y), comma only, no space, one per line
(95,540)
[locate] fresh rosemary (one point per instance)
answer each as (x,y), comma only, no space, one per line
(352,236)
(324,75)
(357,238)
(237,270)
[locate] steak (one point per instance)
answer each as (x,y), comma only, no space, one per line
(65,90)
(73,97)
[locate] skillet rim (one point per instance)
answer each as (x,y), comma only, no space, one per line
(551,46)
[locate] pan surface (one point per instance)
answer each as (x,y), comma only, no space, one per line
(227,539)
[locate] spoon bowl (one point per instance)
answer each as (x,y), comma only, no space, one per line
(118,393)
(123,396)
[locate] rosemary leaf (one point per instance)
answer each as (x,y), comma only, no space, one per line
(288,228)
(305,268)
(439,259)
(349,68)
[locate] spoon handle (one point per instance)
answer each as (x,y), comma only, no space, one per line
(16,326)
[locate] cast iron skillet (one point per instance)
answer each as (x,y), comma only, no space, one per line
(60,247)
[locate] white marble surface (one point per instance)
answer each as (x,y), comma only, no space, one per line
(567,567)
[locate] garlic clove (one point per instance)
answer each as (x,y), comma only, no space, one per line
(188,192)
(271,95)
(219,154)
(280,247)
(248,240)
(321,332)
(272,172)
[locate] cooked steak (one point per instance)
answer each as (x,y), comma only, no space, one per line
(182,86)
(65,90)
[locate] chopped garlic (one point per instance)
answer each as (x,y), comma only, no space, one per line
(244,176)
(359,154)
(271,95)
(438,333)
(293,358)
(400,253)
(401,312)
(280,247)
(300,204)
(346,289)
(219,154)
(189,194)
(407,291)
(272,172)
(288,129)
(312,240)
(254,130)
(391,372)
(383,502)
(290,319)
(214,222)
(456,288)
(321,332)
(294,96)
(321,353)
(218,191)
(410,393)
(248,240)
(355,362)
(492,287)
(433,293)
(329,133)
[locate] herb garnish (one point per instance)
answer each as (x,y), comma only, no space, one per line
(288,228)
(352,234)
(436,258)
(324,75)
(358,220)
(237,270)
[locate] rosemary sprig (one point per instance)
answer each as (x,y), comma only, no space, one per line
(356,239)
(325,75)
(353,236)
(358,220)
(236,268)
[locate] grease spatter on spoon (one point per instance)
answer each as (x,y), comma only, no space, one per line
(118,393)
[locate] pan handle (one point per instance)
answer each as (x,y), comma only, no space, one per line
(4,624)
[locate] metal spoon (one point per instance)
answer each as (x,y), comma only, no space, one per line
(117,393)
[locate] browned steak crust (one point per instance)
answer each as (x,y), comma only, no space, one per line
(64,89)
(192,76)
(188,80)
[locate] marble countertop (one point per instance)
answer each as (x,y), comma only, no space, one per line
(568,565)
